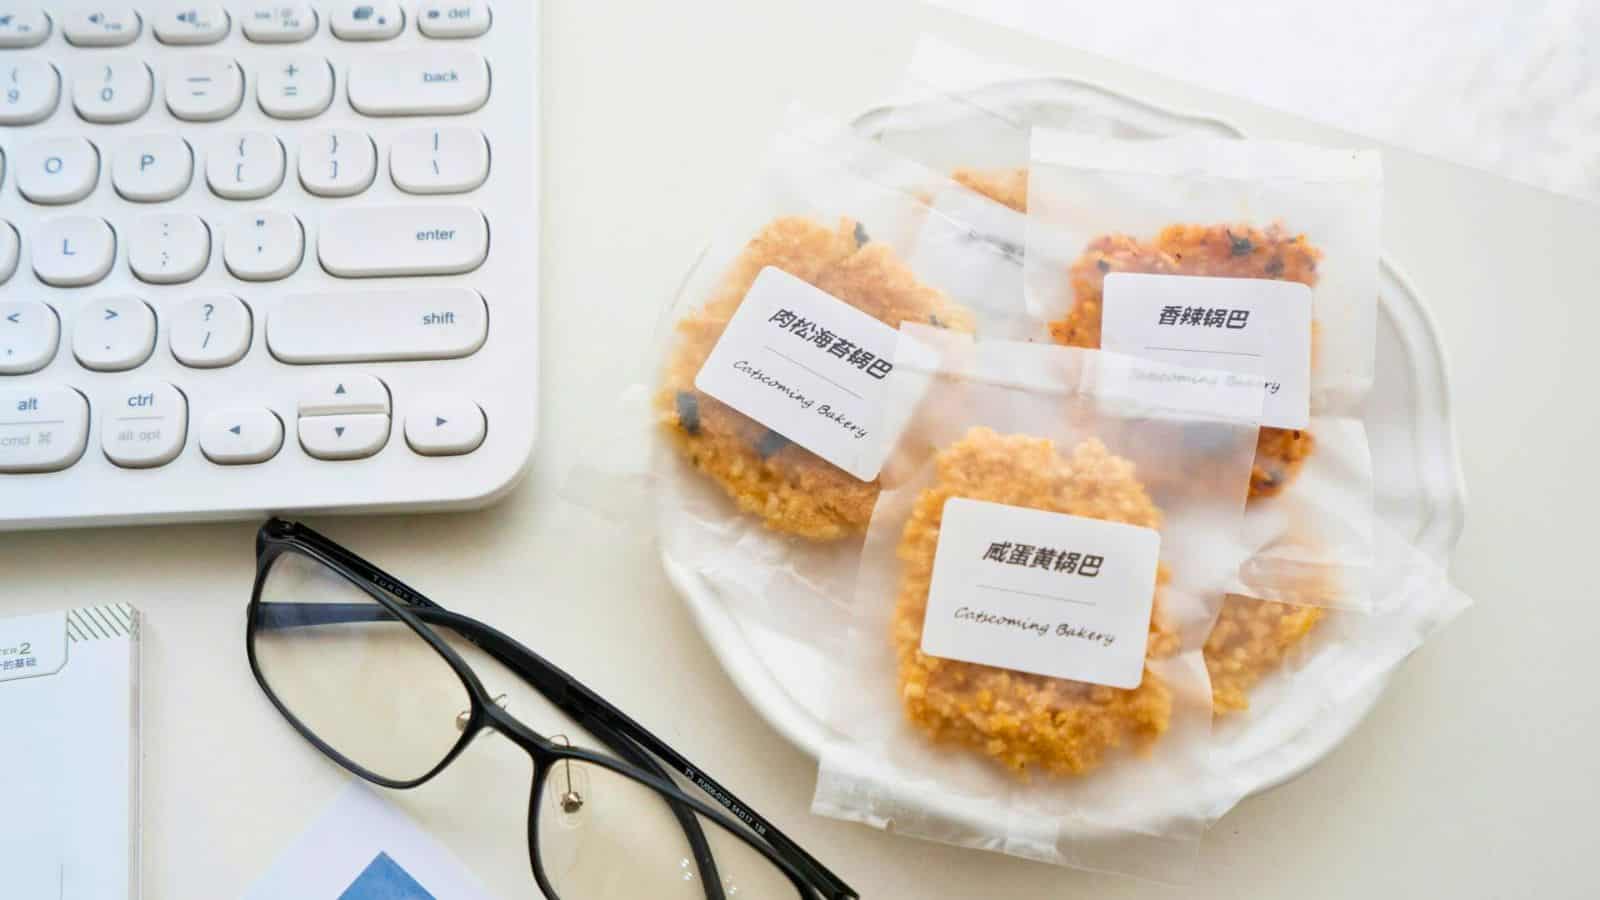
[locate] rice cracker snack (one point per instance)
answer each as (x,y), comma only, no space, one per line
(1025,722)
(1031,611)
(791,489)
(1253,259)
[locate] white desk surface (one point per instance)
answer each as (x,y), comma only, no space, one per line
(1475,777)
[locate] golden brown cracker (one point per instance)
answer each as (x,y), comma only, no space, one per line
(789,488)
(1024,722)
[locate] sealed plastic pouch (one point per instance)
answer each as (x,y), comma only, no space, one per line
(766,403)
(1253,257)
(1025,672)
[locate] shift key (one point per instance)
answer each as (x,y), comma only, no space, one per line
(377,326)
(375,241)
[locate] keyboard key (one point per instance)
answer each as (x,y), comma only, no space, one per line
(337,162)
(169,248)
(334,395)
(112,90)
(263,246)
(279,22)
(23,25)
(10,249)
(210,332)
(295,87)
(191,23)
(102,25)
(42,429)
(366,20)
(72,251)
(439,160)
(29,91)
(144,424)
(57,170)
(204,88)
(244,436)
(426,82)
(453,18)
(344,437)
(378,326)
(445,425)
(153,168)
(370,241)
(244,165)
(29,335)
(114,335)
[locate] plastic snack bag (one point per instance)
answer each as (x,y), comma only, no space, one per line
(1241,255)
(766,402)
(1026,671)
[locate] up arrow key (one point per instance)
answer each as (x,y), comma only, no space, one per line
(339,389)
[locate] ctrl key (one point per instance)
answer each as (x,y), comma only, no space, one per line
(42,429)
(145,424)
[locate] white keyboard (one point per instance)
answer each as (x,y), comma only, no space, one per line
(265,257)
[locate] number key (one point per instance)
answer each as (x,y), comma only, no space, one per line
(29,91)
(112,90)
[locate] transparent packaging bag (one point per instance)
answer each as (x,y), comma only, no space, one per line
(1248,255)
(995,692)
(762,438)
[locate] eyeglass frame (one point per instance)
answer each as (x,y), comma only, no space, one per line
(633,744)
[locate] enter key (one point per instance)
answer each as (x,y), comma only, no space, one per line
(372,242)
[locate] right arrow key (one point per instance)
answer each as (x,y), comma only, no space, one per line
(445,425)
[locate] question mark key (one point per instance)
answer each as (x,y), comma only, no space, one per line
(211,331)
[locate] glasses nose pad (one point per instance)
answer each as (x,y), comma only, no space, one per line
(464,718)
(568,790)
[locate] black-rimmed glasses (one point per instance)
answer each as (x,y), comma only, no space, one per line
(350,656)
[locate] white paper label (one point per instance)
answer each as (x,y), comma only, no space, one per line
(1248,326)
(1042,592)
(32,645)
(808,366)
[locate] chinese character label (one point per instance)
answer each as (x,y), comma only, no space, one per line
(809,367)
(1257,327)
(1042,592)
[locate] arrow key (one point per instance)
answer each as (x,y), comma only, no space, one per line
(29,335)
(336,395)
(344,437)
(232,437)
(445,425)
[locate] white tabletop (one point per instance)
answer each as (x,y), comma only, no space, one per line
(1475,777)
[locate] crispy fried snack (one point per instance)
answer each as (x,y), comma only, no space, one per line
(1005,186)
(1250,639)
(1024,722)
(791,489)
(1219,250)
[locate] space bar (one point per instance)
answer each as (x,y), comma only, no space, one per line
(377,326)
(373,241)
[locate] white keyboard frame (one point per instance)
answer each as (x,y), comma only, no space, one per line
(502,376)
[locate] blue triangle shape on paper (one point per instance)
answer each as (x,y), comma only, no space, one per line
(384,879)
